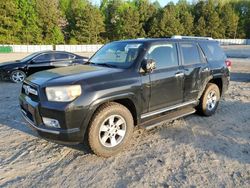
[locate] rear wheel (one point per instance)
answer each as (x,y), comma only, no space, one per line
(110,130)
(17,76)
(209,100)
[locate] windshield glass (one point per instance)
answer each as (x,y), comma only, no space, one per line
(28,57)
(117,54)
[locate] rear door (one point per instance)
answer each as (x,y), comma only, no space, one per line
(196,69)
(167,79)
(62,59)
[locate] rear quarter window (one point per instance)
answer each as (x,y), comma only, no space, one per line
(213,51)
(190,53)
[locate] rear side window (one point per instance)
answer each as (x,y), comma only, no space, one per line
(61,56)
(165,55)
(213,51)
(190,53)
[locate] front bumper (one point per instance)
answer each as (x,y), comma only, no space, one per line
(4,75)
(31,112)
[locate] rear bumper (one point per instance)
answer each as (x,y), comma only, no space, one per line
(225,84)
(30,111)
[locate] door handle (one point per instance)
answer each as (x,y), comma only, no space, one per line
(179,74)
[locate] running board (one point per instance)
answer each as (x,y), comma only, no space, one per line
(163,110)
(172,115)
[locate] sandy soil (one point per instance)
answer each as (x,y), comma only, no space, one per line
(190,152)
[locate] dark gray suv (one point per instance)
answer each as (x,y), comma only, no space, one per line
(126,84)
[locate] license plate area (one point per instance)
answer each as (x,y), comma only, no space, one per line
(29,111)
(28,114)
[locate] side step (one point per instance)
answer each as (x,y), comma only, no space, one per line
(171,115)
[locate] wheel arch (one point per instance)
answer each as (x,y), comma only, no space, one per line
(128,100)
(215,80)
(218,82)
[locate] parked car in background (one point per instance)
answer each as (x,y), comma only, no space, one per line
(18,70)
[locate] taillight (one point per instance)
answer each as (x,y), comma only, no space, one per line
(228,64)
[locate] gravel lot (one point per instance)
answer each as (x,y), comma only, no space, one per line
(190,152)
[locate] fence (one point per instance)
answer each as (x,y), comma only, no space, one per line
(90,48)
(234,41)
(78,48)
(28,48)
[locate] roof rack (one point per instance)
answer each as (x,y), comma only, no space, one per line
(191,37)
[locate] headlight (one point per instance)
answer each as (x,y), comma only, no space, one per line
(63,93)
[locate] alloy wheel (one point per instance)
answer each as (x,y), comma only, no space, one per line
(18,76)
(112,131)
(211,100)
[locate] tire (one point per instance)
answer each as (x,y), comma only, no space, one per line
(110,129)
(209,100)
(17,76)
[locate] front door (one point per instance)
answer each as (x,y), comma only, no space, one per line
(40,63)
(196,70)
(167,79)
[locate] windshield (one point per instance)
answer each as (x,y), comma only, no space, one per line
(28,57)
(117,54)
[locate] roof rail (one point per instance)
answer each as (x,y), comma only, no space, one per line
(191,37)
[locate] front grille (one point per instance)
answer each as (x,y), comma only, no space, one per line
(31,90)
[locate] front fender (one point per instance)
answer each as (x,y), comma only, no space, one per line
(98,102)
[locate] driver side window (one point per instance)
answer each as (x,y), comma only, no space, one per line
(165,55)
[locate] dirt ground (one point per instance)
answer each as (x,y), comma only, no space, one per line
(190,152)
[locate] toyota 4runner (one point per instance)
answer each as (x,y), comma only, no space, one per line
(125,84)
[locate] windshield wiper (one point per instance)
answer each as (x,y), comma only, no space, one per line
(88,63)
(106,65)
(101,64)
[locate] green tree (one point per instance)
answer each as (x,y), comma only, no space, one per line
(89,25)
(129,24)
(50,21)
(29,33)
(71,10)
(166,23)
(9,23)
(207,16)
(186,17)
(146,11)
(214,25)
(122,20)
(242,8)
(230,21)
(201,27)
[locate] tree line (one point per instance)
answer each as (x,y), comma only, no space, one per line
(81,22)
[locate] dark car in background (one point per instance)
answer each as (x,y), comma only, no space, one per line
(18,70)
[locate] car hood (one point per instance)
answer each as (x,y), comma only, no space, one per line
(68,75)
(10,64)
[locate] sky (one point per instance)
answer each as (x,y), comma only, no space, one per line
(162,2)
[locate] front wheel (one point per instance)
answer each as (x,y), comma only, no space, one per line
(17,76)
(110,130)
(209,100)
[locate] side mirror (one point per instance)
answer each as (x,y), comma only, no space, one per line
(149,65)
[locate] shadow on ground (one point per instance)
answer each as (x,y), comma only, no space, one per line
(222,133)
(240,77)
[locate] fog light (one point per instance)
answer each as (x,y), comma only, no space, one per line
(51,122)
